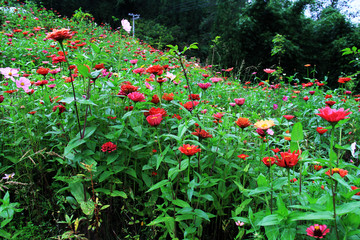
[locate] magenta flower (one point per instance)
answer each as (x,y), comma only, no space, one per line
(332,115)
(51,86)
(133,61)
(275,106)
(23,83)
(148,86)
(10,73)
(204,86)
(239,101)
(215,79)
(317,231)
(268,70)
(136,97)
(285,98)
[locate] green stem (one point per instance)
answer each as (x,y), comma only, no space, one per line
(289,183)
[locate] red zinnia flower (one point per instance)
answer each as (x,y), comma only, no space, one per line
(43,71)
(317,167)
(317,231)
(194,97)
(156,70)
(330,103)
(154,120)
(128,88)
(136,97)
(168,96)
(354,188)
(59,35)
(288,159)
(108,147)
(155,99)
(288,117)
(201,133)
(268,160)
(153,111)
(339,171)
(218,115)
(333,115)
(276,150)
(243,156)
(1,98)
(60,107)
(190,105)
(189,150)
(344,79)
(321,130)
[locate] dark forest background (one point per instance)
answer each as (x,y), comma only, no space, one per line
(253,34)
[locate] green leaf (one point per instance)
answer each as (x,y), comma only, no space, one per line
(158,185)
(242,206)
(288,234)
(262,181)
(161,157)
(325,215)
(86,102)
(160,220)
(77,190)
(297,132)
(340,180)
(73,144)
(180,203)
(272,232)
(270,220)
(202,214)
(347,207)
(83,70)
(105,175)
(117,193)
(87,207)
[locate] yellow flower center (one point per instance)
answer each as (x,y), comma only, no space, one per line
(10,73)
(336,170)
(188,148)
(22,84)
(317,228)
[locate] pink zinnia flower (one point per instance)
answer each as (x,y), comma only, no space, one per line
(239,101)
(133,61)
(204,86)
(317,231)
(51,86)
(285,98)
(154,120)
(148,86)
(215,79)
(332,115)
(136,97)
(268,70)
(139,70)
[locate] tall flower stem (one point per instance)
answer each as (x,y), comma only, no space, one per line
(333,192)
(73,88)
(289,183)
(271,191)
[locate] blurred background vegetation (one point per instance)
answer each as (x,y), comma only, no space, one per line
(246,35)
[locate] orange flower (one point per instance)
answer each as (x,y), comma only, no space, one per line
(189,150)
(201,133)
(168,96)
(59,35)
(339,171)
(243,122)
(264,124)
(288,159)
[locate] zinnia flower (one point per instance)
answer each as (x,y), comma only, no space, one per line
(204,86)
(189,150)
(59,35)
(136,97)
(288,117)
(332,115)
(201,133)
(168,96)
(239,101)
(264,124)
(154,120)
(1,98)
(153,111)
(108,147)
(43,71)
(269,71)
(156,70)
(243,122)
(354,188)
(243,156)
(321,130)
(317,231)
(190,105)
(60,107)
(339,171)
(268,161)
(288,159)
